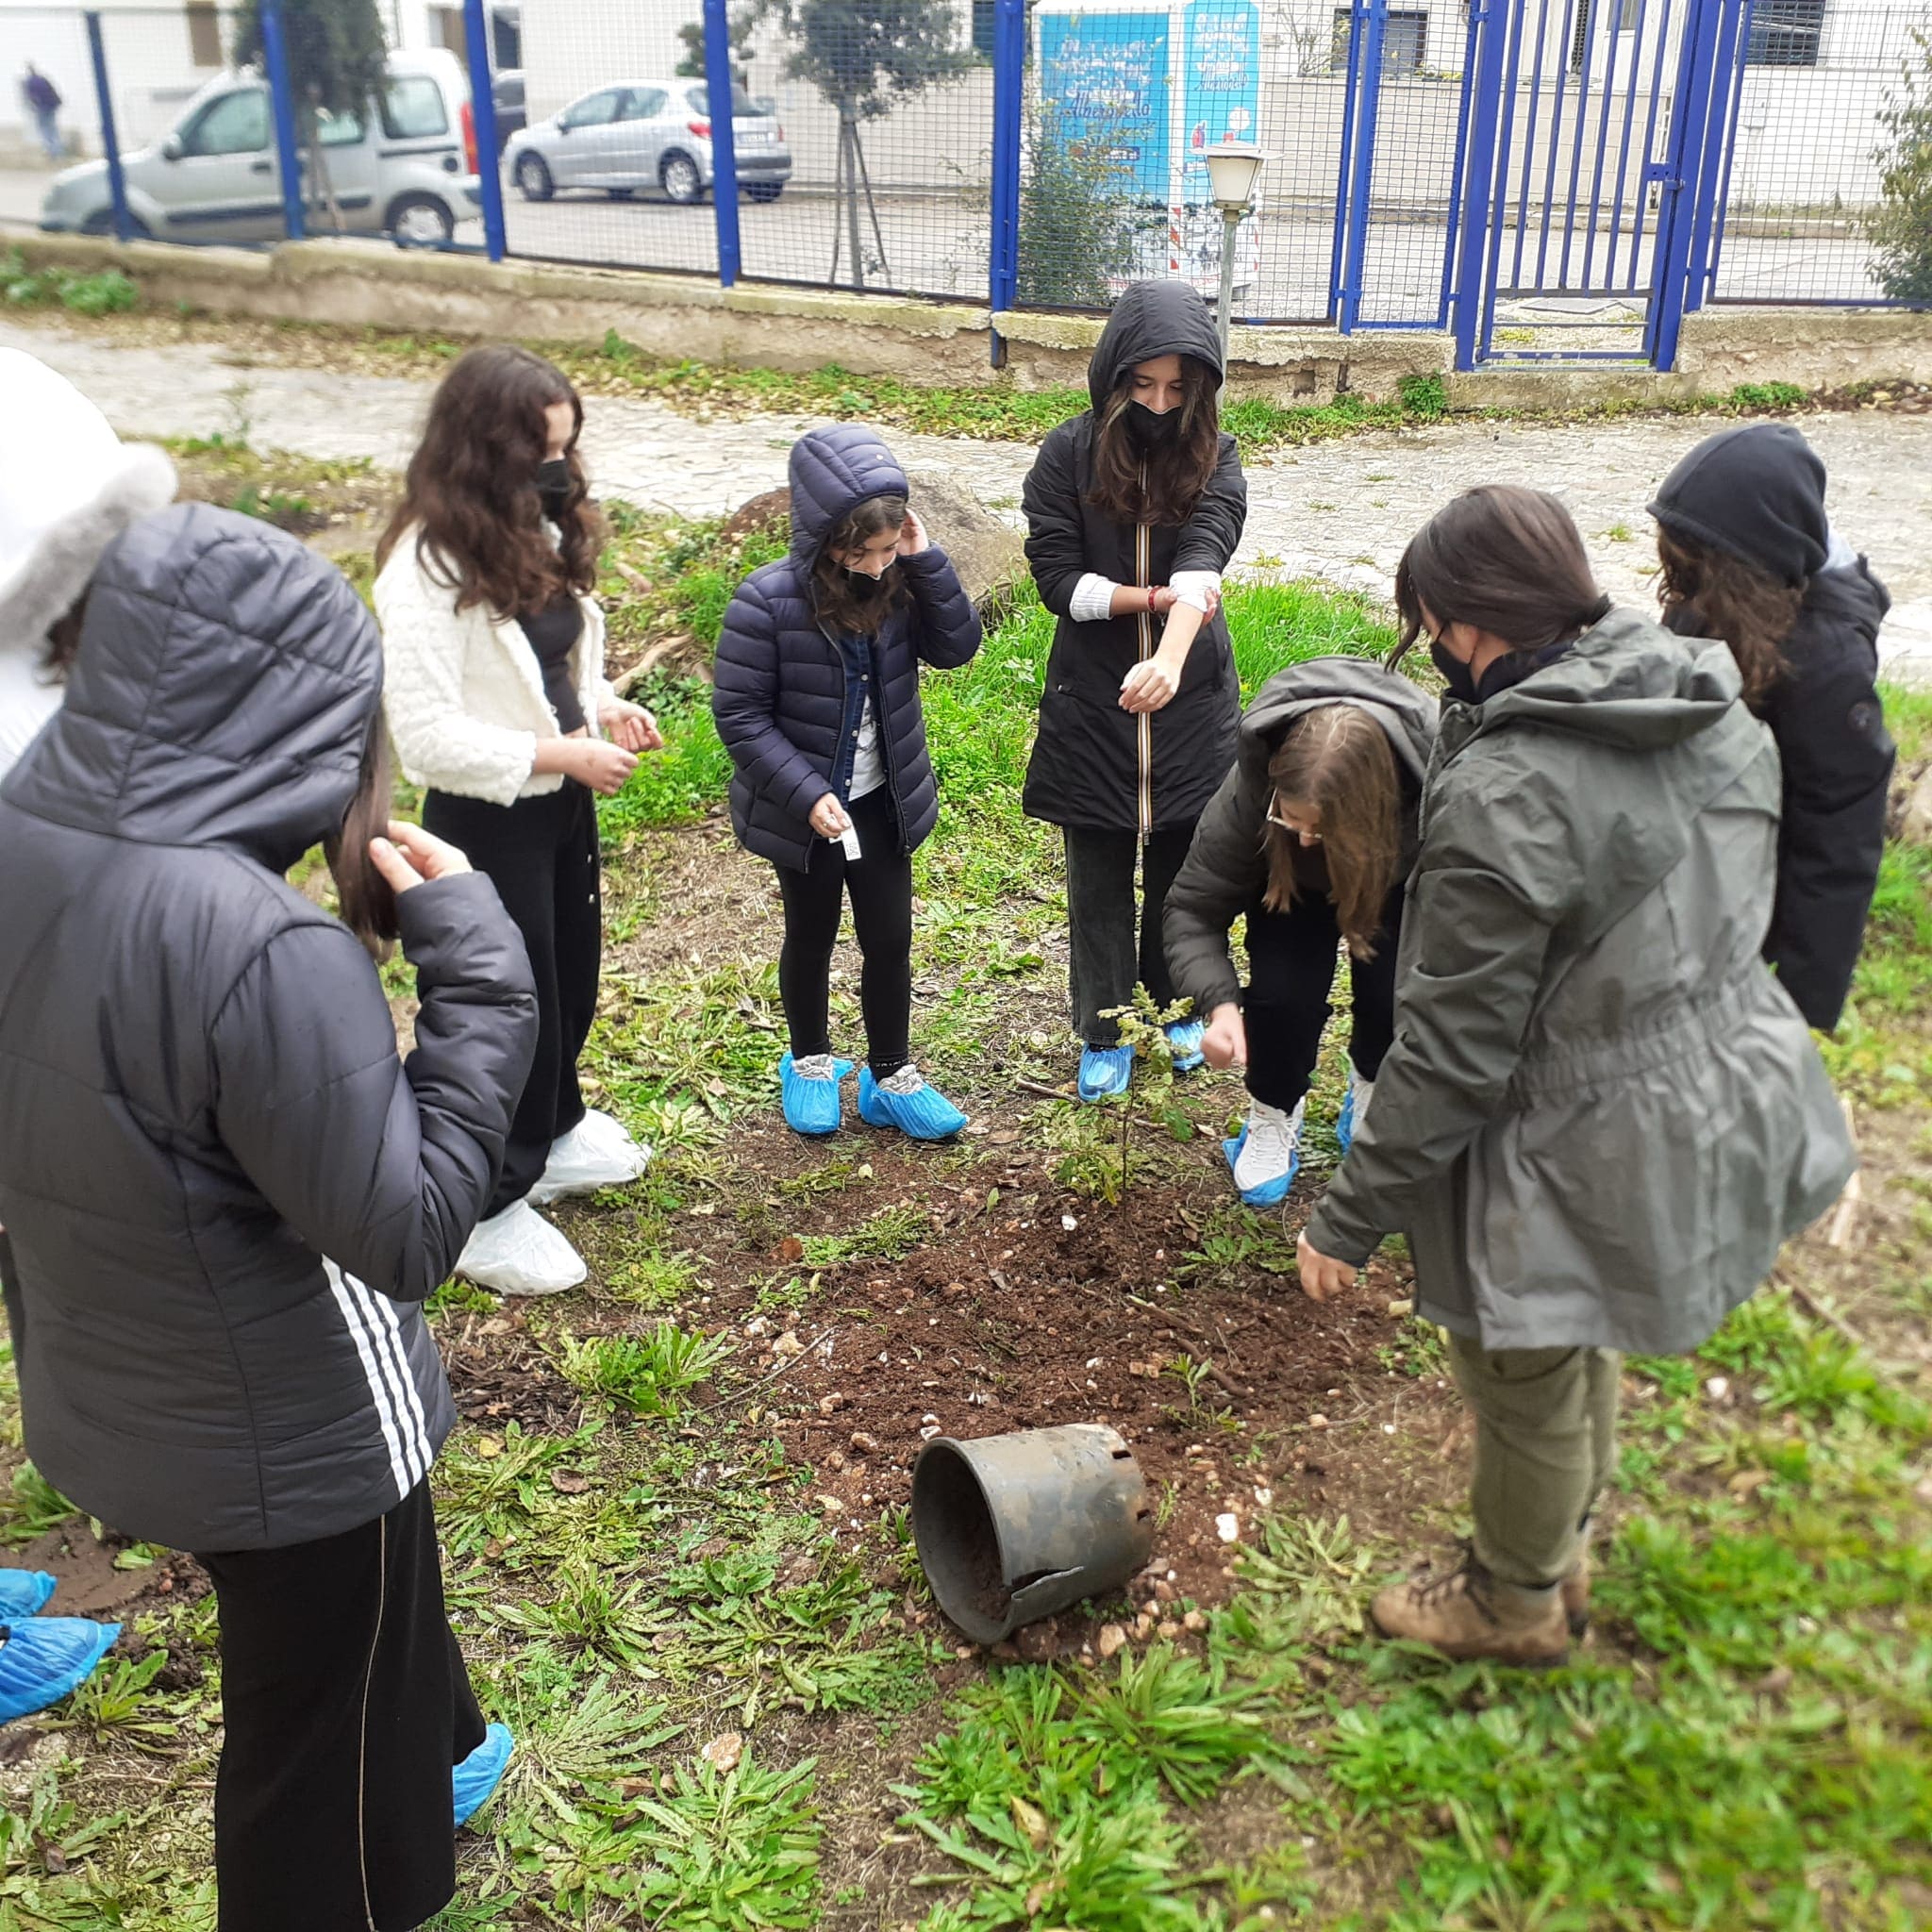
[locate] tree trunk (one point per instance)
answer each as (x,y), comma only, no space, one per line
(319,185)
(848,149)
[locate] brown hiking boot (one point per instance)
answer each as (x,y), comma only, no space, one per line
(1575,1590)
(1470,1614)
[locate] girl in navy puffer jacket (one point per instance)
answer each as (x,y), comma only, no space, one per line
(817,701)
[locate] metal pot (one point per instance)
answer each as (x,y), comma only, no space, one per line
(1011,1528)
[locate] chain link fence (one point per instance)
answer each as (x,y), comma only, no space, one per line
(1046,152)
(1834,107)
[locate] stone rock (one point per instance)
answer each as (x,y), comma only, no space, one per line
(1913,809)
(1038,1644)
(987,553)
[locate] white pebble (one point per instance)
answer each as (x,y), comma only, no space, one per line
(1068,1222)
(1227,1526)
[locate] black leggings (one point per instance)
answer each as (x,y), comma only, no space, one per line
(880,883)
(1104,958)
(346,1705)
(540,854)
(1291,960)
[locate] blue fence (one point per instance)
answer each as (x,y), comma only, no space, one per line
(1541,179)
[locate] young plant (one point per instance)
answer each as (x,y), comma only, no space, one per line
(1144,1027)
(648,1374)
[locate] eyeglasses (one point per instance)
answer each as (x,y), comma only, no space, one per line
(1275,819)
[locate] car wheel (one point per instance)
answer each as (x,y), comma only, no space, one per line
(533,179)
(102,222)
(681,179)
(764,190)
(420,220)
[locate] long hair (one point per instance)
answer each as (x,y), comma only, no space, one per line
(1505,560)
(834,600)
(470,489)
(364,898)
(1749,609)
(1163,486)
(63,640)
(1337,765)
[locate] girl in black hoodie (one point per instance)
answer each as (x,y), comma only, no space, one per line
(1133,510)
(1749,557)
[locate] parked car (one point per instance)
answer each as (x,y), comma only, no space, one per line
(408,167)
(648,134)
(507,95)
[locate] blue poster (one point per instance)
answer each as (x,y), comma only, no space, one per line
(1106,74)
(1222,91)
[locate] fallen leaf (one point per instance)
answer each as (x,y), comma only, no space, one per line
(724,1751)
(567,1482)
(791,1249)
(488,1446)
(1032,1822)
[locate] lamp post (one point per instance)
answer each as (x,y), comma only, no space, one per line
(1233,169)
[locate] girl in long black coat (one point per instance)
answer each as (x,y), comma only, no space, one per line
(1133,510)
(1750,556)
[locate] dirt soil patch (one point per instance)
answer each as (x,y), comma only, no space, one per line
(498,1376)
(1224,1392)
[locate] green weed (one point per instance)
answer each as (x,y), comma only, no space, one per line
(32,1507)
(890,1235)
(106,292)
(648,1374)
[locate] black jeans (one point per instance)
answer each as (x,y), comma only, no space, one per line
(1291,960)
(345,1706)
(540,854)
(1105,958)
(880,883)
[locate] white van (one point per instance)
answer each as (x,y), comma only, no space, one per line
(408,167)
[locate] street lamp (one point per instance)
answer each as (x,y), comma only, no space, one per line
(1232,171)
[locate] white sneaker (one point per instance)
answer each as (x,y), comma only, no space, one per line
(596,1153)
(1269,1151)
(518,1252)
(1355,1109)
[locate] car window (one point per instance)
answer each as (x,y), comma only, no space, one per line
(509,93)
(231,124)
(742,103)
(594,110)
(413,108)
(338,130)
(644,103)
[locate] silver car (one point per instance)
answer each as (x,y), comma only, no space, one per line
(407,167)
(646,133)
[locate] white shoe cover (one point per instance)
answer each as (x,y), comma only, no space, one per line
(1269,1152)
(596,1153)
(518,1252)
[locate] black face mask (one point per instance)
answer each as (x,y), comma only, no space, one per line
(1150,432)
(1456,674)
(553,484)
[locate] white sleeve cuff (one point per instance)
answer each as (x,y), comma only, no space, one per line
(1192,588)
(1092,599)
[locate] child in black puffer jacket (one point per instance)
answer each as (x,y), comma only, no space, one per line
(817,701)
(1749,557)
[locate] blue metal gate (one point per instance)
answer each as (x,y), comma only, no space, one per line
(1580,219)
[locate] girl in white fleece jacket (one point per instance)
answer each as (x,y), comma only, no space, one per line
(497,699)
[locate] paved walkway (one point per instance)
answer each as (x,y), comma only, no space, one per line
(1341,511)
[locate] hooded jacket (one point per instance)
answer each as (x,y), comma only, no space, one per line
(788,696)
(200,1095)
(1601,1116)
(1093,764)
(70,489)
(1226,867)
(1758,493)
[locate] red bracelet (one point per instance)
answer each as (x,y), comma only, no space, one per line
(1150,600)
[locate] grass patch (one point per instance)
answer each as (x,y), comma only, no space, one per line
(651,1373)
(105,291)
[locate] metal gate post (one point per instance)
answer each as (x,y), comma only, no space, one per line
(1349,91)
(1691,119)
(1374,19)
(1714,163)
(718,94)
(281,97)
(483,119)
(1008,84)
(1478,179)
(110,139)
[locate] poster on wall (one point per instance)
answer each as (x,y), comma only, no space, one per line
(1222,93)
(1107,73)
